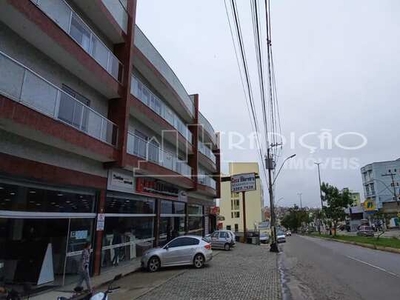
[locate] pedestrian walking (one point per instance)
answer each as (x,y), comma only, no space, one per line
(84,267)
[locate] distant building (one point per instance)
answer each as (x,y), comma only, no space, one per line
(356,197)
(231,204)
(379,189)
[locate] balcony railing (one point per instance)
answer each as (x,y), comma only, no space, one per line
(65,17)
(25,86)
(143,93)
(207,152)
(118,9)
(150,151)
(208,181)
(151,53)
(207,127)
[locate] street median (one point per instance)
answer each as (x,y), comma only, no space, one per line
(382,244)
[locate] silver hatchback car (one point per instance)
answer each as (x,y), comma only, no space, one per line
(221,239)
(183,250)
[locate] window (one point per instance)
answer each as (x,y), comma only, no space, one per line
(80,33)
(228,227)
(236,227)
(235,215)
(139,147)
(154,151)
(187,241)
(235,204)
(176,243)
(223,235)
(72,111)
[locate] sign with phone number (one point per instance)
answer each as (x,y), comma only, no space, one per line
(243,182)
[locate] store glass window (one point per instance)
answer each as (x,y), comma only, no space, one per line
(170,228)
(127,205)
(179,208)
(126,238)
(195,225)
(33,199)
(195,209)
(166,207)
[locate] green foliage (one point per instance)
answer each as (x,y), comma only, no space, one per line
(295,218)
(336,202)
(384,242)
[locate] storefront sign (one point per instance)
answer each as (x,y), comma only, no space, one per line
(153,187)
(79,234)
(243,182)
(369,205)
(215,210)
(100,222)
(120,181)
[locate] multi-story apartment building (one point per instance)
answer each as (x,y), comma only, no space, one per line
(381,180)
(231,204)
(99,140)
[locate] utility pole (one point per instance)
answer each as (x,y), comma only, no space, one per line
(244,217)
(319,180)
(270,167)
(301,203)
(394,186)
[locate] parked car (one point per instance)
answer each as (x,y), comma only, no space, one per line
(280,237)
(365,231)
(183,250)
(264,238)
(288,233)
(221,239)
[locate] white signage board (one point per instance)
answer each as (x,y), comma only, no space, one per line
(100,222)
(243,182)
(121,181)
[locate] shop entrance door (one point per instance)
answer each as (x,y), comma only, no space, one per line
(42,249)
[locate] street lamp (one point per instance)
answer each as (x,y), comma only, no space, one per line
(274,243)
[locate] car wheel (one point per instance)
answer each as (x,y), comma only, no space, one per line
(227,247)
(198,261)
(154,264)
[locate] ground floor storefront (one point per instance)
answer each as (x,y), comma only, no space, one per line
(44,225)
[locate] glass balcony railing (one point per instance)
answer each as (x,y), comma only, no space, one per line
(143,93)
(65,17)
(208,181)
(119,10)
(207,127)
(151,151)
(25,86)
(151,53)
(207,152)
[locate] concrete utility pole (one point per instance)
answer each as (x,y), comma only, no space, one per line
(319,180)
(270,166)
(394,186)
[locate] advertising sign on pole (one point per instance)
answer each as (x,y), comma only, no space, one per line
(243,182)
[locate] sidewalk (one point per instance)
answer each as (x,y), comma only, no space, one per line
(97,281)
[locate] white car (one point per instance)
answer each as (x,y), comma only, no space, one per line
(280,237)
(288,233)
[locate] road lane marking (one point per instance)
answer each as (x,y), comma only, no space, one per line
(373,266)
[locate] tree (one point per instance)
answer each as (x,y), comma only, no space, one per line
(295,218)
(337,201)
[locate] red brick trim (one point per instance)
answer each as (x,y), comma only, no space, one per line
(23,115)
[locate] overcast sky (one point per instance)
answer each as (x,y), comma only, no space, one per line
(337,66)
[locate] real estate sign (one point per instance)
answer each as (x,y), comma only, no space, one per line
(243,182)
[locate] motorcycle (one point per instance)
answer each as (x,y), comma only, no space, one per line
(79,294)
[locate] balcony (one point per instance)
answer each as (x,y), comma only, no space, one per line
(150,151)
(22,85)
(143,93)
(69,21)
(207,127)
(119,10)
(207,152)
(157,61)
(208,181)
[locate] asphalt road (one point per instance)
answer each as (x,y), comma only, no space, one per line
(318,269)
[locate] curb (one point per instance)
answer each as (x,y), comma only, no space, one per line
(374,247)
